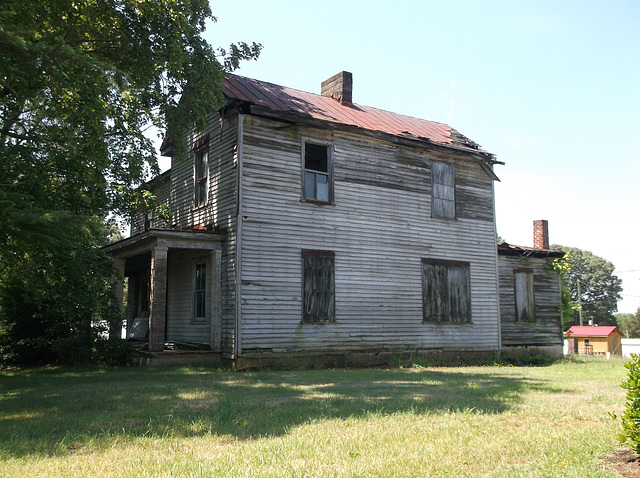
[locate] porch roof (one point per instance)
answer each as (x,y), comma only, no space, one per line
(169,238)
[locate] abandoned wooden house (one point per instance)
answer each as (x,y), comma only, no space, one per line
(530,295)
(308,225)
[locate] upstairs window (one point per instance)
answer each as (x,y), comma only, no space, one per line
(523,281)
(200,293)
(446,291)
(201,172)
(318,286)
(318,173)
(443,190)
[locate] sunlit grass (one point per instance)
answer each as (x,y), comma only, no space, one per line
(417,421)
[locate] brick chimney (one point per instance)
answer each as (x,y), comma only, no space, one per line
(339,87)
(541,234)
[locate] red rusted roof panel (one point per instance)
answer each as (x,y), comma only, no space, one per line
(281,98)
(592,331)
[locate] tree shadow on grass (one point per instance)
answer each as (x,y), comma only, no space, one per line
(57,411)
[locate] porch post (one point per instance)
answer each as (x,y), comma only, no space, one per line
(216,300)
(118,292)
(158,302)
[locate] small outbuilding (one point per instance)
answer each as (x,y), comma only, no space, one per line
(594,340)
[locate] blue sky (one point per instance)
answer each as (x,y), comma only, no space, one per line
(552,88)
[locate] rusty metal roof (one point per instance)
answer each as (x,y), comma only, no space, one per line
(507,249)
(282,99)
(591,331)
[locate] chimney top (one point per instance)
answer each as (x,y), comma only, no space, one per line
(541,234)
(339,87)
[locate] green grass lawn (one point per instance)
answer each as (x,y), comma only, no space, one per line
(406,422)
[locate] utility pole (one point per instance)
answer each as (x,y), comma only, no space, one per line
(579,303)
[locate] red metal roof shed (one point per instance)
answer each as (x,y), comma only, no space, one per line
(592,331)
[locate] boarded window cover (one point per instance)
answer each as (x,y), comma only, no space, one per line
(524,296)
(318,287)
(443,187)
(446,292)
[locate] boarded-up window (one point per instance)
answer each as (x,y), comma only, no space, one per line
(443,190)
(318,174)
(523,280)
(201,172)
(318,286)
(200,293)
(446,291)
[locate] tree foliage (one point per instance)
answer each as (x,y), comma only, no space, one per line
(563,267)
(600,288)
(80,84)
(629,324)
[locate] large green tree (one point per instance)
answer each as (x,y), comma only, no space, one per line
(81,82)
(600,288)
(629,324)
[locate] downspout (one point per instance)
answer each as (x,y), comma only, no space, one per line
(238,306)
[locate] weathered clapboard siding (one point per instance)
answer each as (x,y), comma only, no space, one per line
(180,325)
(379,228)
(219,211)
(547,327)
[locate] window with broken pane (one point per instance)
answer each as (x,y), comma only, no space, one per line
(317,173)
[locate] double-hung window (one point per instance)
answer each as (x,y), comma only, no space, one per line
(201,172)
(523,283)
(443,190)
(200,293)
(318,173)
(446,291)
(318,286)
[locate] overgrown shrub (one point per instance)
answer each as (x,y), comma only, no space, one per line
(631,415)
(55,308)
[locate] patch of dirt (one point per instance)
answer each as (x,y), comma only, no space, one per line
(625,462)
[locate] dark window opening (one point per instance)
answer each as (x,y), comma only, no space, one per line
(200,292)
(446,291)
(317,173)
(201,176)
(318,285)
(144,294)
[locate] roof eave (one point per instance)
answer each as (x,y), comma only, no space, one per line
(293,118)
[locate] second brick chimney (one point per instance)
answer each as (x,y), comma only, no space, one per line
(541,234)
(339,87)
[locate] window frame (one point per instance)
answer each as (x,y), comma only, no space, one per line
(329,173)
(440,203)
(437,300)
(201,165)
(199,293)
(329,315)
(528,309)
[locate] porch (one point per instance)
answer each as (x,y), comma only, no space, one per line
(174,291)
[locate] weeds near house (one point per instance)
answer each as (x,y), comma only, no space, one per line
(415,421)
